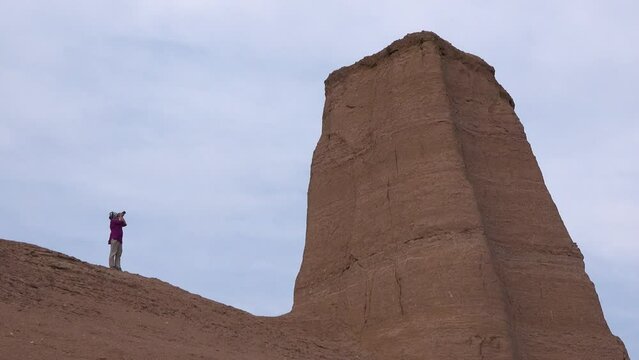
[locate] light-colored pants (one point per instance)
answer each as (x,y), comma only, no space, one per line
(116,253)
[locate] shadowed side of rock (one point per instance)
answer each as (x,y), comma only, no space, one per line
(553,306)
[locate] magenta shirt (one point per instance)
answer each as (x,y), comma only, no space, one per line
(116,230)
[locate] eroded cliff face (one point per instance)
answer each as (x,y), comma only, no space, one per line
(431,233)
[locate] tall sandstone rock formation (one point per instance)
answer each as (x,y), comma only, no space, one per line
(431,233)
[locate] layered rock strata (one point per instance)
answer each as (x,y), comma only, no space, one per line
(431,233)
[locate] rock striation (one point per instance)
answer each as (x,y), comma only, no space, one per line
(430,235)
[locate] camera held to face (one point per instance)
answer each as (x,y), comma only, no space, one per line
(113,214)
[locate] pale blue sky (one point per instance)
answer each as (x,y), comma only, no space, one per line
(199,118)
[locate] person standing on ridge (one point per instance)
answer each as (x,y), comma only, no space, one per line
(115,239)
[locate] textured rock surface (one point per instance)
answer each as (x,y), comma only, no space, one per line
(431,235)
(56,307)
(430,232)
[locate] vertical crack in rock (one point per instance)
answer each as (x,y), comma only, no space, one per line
(398,281)
(370,282)
(396,162)
(394,239)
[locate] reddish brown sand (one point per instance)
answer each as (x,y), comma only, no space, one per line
(431,235)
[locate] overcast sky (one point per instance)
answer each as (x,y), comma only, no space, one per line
(200,117)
